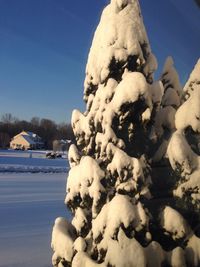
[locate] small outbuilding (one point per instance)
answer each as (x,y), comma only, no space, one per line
(61,145)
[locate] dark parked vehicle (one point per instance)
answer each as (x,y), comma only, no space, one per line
(53,155)
(50,155)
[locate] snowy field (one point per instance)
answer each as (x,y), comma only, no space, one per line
(30,161)
(29,204)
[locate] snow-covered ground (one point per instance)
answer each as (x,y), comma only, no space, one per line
(29,204)
(30,161)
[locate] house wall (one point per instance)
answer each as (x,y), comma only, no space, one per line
(19,142)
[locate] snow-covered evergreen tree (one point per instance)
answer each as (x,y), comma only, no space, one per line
(164,119)
(183,152)
(116,221)
(193,81)
(171,83)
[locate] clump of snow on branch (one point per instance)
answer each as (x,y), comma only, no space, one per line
(190,187)
(180,154)
(73,156)
(119,211)
(63,237)
(130,89)
(193,251)
(84,180)
(174,223)
(128,172)
(189,113)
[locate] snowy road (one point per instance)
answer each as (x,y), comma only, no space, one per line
(29,204)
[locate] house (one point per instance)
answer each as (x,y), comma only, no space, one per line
(26,140)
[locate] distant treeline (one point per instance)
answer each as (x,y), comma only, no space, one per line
(47,129)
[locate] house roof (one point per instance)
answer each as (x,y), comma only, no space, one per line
(27,133)
(33,135)
(29,139)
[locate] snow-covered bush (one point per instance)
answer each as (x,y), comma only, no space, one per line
(117,222)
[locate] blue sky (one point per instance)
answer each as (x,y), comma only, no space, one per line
(44,46)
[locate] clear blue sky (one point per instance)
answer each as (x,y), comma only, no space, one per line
(44,46)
